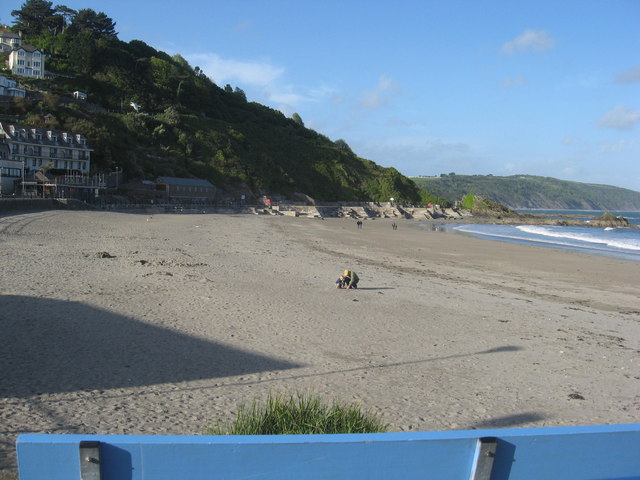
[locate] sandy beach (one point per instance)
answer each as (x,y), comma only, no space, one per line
(164,324)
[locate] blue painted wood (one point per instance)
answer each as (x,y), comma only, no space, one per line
(589,452)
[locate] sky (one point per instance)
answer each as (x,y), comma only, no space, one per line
(540,87)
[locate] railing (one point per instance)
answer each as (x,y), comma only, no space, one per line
(589,452)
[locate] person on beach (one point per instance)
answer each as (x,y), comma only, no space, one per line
(348,280)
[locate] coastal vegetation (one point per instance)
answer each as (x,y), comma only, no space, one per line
(483,206)
(152,114)
(300,414)
(529,191)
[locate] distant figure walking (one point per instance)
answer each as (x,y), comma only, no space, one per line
(359,223)
(394,226)
(348,280)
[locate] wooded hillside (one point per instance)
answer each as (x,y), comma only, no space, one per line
(186,125)
(528,191)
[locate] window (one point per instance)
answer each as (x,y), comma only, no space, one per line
(11,172)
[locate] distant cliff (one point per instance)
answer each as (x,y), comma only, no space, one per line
(528,191)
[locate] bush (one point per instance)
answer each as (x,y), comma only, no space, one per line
(468,201)
(300,414)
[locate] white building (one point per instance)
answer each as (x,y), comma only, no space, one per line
(9,88)
(27,60)
(9,40)
(32,148)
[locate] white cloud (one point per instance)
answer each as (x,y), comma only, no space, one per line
(630,76)
(513,82)
(262,82)
(620,146)
(222,70)
(381,95)
(420,155)
(537,40)
(570,140)
(620,118)
(243,26)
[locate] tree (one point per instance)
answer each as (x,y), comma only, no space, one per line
(199,72)
(82,53)
(67,14)
(240,93)
(296,118)
(36,17)
(96,24)
(343,146)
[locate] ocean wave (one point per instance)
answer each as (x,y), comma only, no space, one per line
(589,239)
(590,235)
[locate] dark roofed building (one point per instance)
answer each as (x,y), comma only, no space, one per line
(9,39)
(192,190)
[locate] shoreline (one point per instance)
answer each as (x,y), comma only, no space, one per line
(590,248)
(189,316)
(361,211)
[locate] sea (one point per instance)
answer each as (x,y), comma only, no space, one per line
(620,242)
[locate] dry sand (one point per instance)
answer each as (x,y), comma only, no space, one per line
(191,315)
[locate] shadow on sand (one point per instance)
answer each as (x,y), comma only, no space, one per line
(511,420)
(51,346)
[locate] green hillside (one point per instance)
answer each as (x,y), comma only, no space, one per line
(528,191)
(186,126)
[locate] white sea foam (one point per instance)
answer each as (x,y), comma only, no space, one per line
(588,235)
(598,240)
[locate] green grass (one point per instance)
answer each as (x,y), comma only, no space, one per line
(300,414)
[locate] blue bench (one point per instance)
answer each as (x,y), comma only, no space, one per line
(584,452)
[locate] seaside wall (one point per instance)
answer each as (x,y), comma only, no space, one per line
(21,204)
(587,452)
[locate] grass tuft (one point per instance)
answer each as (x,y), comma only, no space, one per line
(300,414)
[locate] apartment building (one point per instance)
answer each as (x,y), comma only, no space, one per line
(9,88)
(38,147)
(28,61)
(8,39)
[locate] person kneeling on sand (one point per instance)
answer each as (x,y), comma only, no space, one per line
(348,280)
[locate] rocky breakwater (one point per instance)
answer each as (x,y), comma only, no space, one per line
(380,210)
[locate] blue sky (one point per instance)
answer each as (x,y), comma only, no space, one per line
(538,87)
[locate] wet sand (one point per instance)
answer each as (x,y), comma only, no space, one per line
(164,324)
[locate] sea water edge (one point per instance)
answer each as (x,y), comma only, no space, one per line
(620,242)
